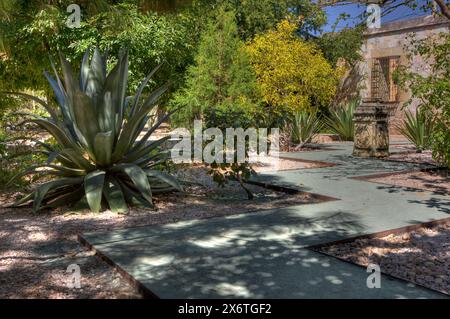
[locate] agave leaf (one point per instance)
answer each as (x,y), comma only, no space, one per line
(137,97)
(23,200)
(150,161)
(154,164)
(29,172)
(139,179)
(56,131)
(341,121)
(60,96)
(125,140)
(305,127)
(43,189)
(116,83)
(103,144)
(84,70)
(417,128)
(66,170)
(47,107)
(132,156)
(164,177)
(106,114)
(66,199)
(121,89)
(86,117)
(93,187)
(133,197)
(96,76)
(69,79)
(151,130)
(77,158)
(114,196)
(51,157)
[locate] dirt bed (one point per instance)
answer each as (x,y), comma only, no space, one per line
(436,181)
(35,250)
(411,156)
(421,256)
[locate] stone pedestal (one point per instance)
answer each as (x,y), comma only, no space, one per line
(371,130)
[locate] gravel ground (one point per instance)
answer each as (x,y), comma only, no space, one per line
(35,250)
(421,256)
(433,181)
(425,157)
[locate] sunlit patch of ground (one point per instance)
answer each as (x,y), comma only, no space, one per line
(421,256)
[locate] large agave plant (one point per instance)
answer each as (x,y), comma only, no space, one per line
(100,156)
(304,127)
(341,121)
(417,128)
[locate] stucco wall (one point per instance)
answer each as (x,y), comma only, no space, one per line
(392,40)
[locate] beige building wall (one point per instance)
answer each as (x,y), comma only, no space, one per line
(391,40)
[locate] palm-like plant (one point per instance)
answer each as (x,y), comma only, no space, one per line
(417,128)
(341,121)
(98,157)
(305,126)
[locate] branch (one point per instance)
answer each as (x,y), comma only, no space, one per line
(444,8)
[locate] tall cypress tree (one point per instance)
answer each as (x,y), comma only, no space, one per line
(220,86)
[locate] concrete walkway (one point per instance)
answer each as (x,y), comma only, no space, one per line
(263,254)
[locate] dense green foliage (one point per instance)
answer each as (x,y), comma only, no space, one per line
(292,74)
(32,33)
(220,86)
(98,156)
(259,16)
(432,90)
(343,45)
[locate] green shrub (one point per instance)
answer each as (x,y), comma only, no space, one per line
(417,128)
(340,121)
(432,90)
(304,127)
(96,128)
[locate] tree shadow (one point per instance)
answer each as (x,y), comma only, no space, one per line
(243,256)
(420,257)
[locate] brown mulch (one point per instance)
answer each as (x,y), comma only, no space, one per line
(35,250)
(421,256)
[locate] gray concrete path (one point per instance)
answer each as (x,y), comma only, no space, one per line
(263,254)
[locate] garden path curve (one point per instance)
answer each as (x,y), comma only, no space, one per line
(265,254)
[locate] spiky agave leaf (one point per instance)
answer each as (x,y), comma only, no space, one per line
(417,128)
(306,125)
(101,158)
(341,121)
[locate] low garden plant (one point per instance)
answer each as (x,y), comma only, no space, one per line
(417,128)
(100,156)
(340,121)
(305,126)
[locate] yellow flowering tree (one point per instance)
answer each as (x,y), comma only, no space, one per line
(292,74)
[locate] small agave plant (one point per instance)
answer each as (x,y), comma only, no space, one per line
(101,155)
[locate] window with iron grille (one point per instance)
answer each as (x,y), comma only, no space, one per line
(382,83)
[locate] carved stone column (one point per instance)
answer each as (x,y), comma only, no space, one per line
(371,130)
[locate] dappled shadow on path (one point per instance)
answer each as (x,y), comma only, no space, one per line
(248,256)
